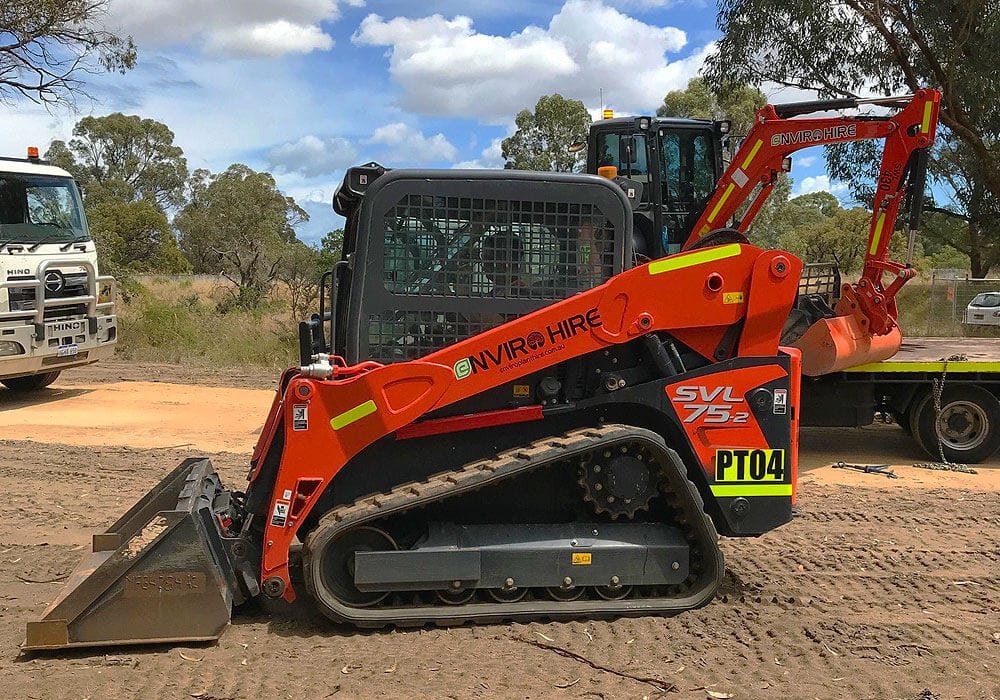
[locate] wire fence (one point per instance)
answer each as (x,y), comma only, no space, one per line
(957,305)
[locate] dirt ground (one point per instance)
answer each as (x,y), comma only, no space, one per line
(879,588)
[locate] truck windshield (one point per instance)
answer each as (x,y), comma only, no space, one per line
(40,209)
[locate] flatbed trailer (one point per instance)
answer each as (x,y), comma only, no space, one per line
(965,423)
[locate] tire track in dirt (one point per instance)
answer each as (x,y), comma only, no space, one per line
(856,598)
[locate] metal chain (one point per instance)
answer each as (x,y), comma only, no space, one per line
(946,467)
(937,394)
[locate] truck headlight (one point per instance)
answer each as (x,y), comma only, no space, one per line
(9,347)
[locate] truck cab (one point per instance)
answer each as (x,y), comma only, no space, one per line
(676,163)
(56,310)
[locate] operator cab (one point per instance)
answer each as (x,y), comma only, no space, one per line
(678,162)
(432,257)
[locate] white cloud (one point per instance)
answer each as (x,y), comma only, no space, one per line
(26,125)
(271,39)
(446,67)
(820,183)
(409,146)
(646,4)
(805,161)
(490,158)
(312,156)
(243,27)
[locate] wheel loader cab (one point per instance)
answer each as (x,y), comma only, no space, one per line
(677,161)
(434,257)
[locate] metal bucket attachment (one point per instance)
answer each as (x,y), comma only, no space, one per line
(163,572)
(838,343)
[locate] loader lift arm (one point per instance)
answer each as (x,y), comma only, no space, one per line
(775,135)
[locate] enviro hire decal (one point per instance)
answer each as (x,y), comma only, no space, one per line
(520,350)
(815,135)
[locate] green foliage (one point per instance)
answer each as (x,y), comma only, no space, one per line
(135,156)
(543,137)
(738,103)
(239,225)
(818,229)
(130,171)
(331,250)
(46,45)
(880,46)
(300,271)
(769,223)
(133,237)
(960,211)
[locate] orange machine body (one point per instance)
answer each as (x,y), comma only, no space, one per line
(698,297)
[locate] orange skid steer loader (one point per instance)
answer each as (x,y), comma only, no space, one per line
(499,415)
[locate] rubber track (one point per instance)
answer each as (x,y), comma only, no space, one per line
(700,532)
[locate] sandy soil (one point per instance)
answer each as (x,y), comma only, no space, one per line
(880,588)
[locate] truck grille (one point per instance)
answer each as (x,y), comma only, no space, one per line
(23,298)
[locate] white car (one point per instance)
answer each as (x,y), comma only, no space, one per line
(983,310)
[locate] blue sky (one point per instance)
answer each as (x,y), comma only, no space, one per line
(305,88)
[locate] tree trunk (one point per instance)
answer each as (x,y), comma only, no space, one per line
(976,254)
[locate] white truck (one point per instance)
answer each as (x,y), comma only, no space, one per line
(56,310)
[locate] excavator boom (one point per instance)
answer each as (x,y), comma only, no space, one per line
(864,329)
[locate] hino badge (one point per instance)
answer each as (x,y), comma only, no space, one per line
(56,311)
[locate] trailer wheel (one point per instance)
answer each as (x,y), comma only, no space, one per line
(968,426)
(30,383)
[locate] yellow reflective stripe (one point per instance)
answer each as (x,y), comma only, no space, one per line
(722,200)
(698,257)
(733,490)
(878,234)
(753,154)
(926,126)
(354,414)
(953,367)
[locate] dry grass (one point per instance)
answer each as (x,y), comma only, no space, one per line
(176,319)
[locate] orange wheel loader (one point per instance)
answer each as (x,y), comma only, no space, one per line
(503,412)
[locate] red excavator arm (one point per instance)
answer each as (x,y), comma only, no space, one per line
(864,329)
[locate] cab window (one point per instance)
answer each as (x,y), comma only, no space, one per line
(610,150)
(687,168)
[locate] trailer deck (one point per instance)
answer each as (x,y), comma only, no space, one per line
(966,424)
(929,355)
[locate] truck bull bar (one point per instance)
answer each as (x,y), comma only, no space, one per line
(37,315)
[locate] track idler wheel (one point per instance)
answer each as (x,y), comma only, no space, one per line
(456,596)
(566,593)
(336,565)
(507,595)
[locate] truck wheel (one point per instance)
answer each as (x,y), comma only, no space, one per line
(902,419)
(968,427)
(31,383)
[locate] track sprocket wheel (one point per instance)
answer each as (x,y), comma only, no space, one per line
(619,481)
